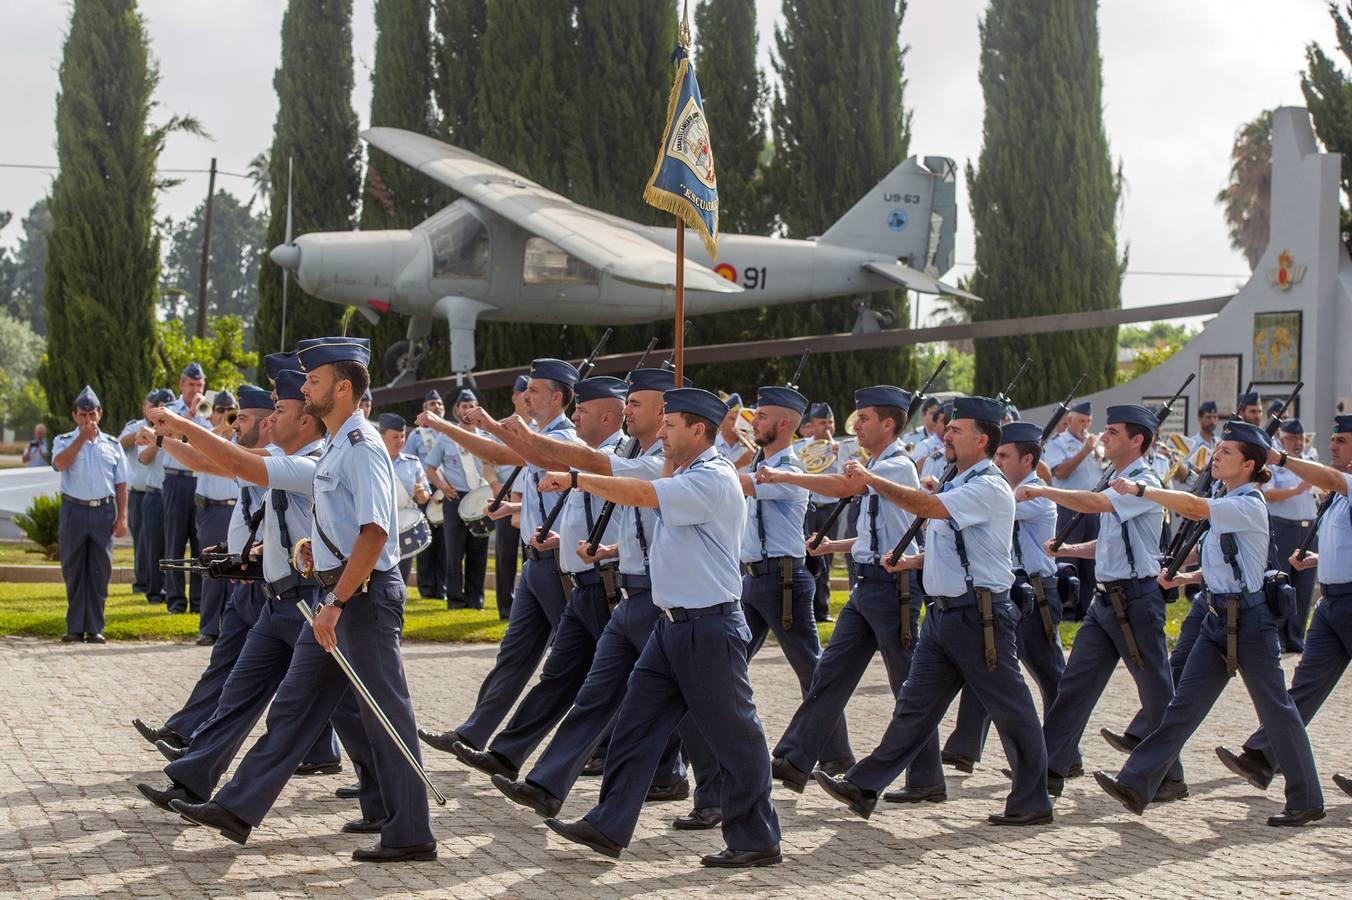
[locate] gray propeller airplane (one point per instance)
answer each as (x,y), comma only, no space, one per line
(512,251)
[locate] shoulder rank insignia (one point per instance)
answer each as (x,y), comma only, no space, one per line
(355,436)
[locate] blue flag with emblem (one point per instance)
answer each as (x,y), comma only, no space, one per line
(683,181)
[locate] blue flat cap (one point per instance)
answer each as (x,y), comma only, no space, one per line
(1020,433)
(366,396)
(1133,414)
(1084,408)
(1277,407)
(695,401)
(152,394)
(433,396)
(821,411)
(520,384)
(466,395)
(882,395)
(391,422)
(602,387)
(1249,399)
(735,399)
(223,400)
(288,385)
(1342,424)
(773,395)
(982,409)
(87,400)
(312,353)
(162,396)
(193,370)
(1207,406)
(251,397)
(1245,433)
(930,403)
(279,362)
(554,370)
(654,380)
(1293,426)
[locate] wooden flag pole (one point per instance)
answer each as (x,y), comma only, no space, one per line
(679,355)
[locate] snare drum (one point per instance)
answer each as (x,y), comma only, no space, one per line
(474,511)
(415,534)
(435,514)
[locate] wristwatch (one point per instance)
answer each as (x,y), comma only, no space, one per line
(1140,488)
(1281,460)
(572,479)
(331,599)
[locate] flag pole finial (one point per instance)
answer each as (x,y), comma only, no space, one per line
(683,32)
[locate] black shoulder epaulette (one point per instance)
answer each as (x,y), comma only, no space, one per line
(356,436)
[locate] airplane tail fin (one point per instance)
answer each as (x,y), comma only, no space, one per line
(911,216)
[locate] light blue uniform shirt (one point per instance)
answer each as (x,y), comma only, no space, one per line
(981,503)
(1200,438)
(637,524)
(783,506)
(410,472)
(1243,514)
(932,462)
(295,475)
(914,437)
(697,542)
(579,511)
(250,502)
(419,443)
(534,505)
(1335,540)
(1144,521)
(881,524)
(446,453)
(217,487)
(137,471)
(170,464)
(155,470)
(925,447)
(1036,524)
(1085,476)
(1301,507)
(98,468)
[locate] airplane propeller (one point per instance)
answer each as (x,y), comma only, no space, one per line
(286,255)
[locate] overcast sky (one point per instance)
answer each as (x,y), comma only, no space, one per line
(1179,78)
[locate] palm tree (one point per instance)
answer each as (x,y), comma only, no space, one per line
(259,174)
(1247,198)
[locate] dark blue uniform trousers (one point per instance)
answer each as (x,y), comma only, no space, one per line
(697,667)
(150,543)
(249,685)
(1328,649)
(1098,646)
(819,566)
(951,655)
(180,530)
(241,612)
(85,540)
(213,529)
(598,701)
(1086,530)
(1044,660)
(314,690)
(565,669)
(1286,537)
(140,567)
(1178,657)
(465,556)
(1258,651)
(506,549)
(536,609)
(432,565)
(869,623)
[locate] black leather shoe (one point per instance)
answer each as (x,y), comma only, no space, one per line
(836,766)
(699,819)
(742,859)
(169,736)
(214,816)
(595,767)
(1075,771)
(96,638)
(1122,743)
(174,791)
(1037,818)
(319,768)
(531,796)
(860,802)
(443,740)
(787,774)
(1128,797)
(485,761)
(826,618)
(206,640)
(581,832)
(1294,818)
(667,793)
(958,761)
(932,793)
(363,826)
(382,854)
(348,792)
(1343,782)
(1248,765)
(72,638)
(169,751)
(1169,791)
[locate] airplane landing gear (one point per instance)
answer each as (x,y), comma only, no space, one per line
(871,320)
(403,360)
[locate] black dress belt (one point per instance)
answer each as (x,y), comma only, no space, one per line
(686,614)
(93,504)
(768,566)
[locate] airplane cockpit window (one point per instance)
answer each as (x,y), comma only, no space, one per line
(459,245)
(546,263)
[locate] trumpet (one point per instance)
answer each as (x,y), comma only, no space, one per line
(203,407)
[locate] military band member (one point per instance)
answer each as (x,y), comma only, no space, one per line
(432,561)
(180,512)
(882,615)
(695,660)
(93,512)
(1207,418)
(1328,642)
(931,464)
(355,556)
(152,505)
(215,502)
(1291,511)
(1239,634)
(1126,621)
(970,638)
(454,472)
(729,443)
(821,426)
(1250,408)
(930,436)
(408,469)
(138,475)
(1075,467)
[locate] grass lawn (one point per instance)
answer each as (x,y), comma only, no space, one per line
(14,553)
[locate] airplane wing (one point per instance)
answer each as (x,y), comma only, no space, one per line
(914,279)
(595,238)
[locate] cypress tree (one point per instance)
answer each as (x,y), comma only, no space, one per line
(457,56)
(1045,197)
(317,128)
(103,253)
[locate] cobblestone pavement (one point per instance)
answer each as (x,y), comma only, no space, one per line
(72,823)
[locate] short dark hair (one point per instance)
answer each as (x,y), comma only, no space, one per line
(896,414)
(992,432)
(710,426)
(1145,434)
(562,388)
(354,373)
(1029,448)
(1258,456)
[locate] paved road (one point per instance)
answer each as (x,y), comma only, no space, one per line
(72,823)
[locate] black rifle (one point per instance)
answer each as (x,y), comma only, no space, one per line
(917,401)
(950,472)
(583,370)
(217,565)
(1060,414)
